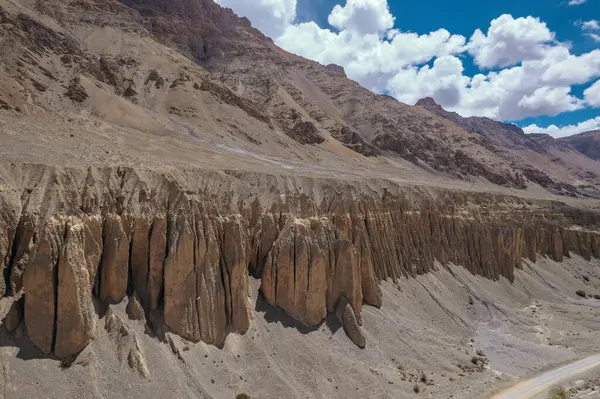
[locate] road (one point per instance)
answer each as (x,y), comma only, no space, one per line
(544,382)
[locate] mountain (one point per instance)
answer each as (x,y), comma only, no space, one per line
(187,210)
(587,143)
(577,154)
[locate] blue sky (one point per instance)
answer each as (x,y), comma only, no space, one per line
(532,62)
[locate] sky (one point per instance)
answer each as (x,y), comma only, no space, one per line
(535,63)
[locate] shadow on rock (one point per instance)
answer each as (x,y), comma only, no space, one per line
(18,339)
(273,314)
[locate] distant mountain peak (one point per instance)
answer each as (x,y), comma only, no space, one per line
(336,70)
(427,102)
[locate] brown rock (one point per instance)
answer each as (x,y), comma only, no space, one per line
(115,261)
(346,316)
(235,275)
(210,290)
(134,308)
(14,316)
(294,277)
(39,282)
(24,246)
(127,346)
(346,277)
(93,245)
(181,312)
(4,251)
(140,259)
(75,315)
(305,132)
(158,250)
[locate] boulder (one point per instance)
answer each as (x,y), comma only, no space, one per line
(134,308)
(347,317)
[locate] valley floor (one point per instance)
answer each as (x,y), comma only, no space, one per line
(445,333)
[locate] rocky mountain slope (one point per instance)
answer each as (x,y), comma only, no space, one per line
(587,143)
(168,155)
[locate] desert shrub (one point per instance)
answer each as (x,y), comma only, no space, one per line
(581,293)
(416,389)
(586,278)
(597,297)
(130,92)
(153,76)
(242,396)
(423,378)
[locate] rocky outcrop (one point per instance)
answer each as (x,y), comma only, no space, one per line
(115,261)
(295,277)
(346,316)
(126,344)
(40,282)
(336,70)
(134,308)
(77,267)
(186,254)
(305,132)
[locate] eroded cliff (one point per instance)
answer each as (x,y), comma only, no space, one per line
(186,244)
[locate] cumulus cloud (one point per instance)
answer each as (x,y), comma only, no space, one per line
(576,2)
(525,71)
(369,59)
(362,16)
(510,41)
(443,81)
(590,25)
(564,131)
(550,101)
(271,17)
(592,94)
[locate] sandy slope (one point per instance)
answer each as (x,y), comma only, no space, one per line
(425,325)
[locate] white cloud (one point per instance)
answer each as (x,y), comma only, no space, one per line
(444,82)
(538,86)
(271,17)
(532,73)
(590,25)
(510,41)
(592,94)
(564,131)
(369,59)
(576,2)
(594,36)
(550,101)
(362,16)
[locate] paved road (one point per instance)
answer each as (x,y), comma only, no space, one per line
(544,382)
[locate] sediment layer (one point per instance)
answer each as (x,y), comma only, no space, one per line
(186,244)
